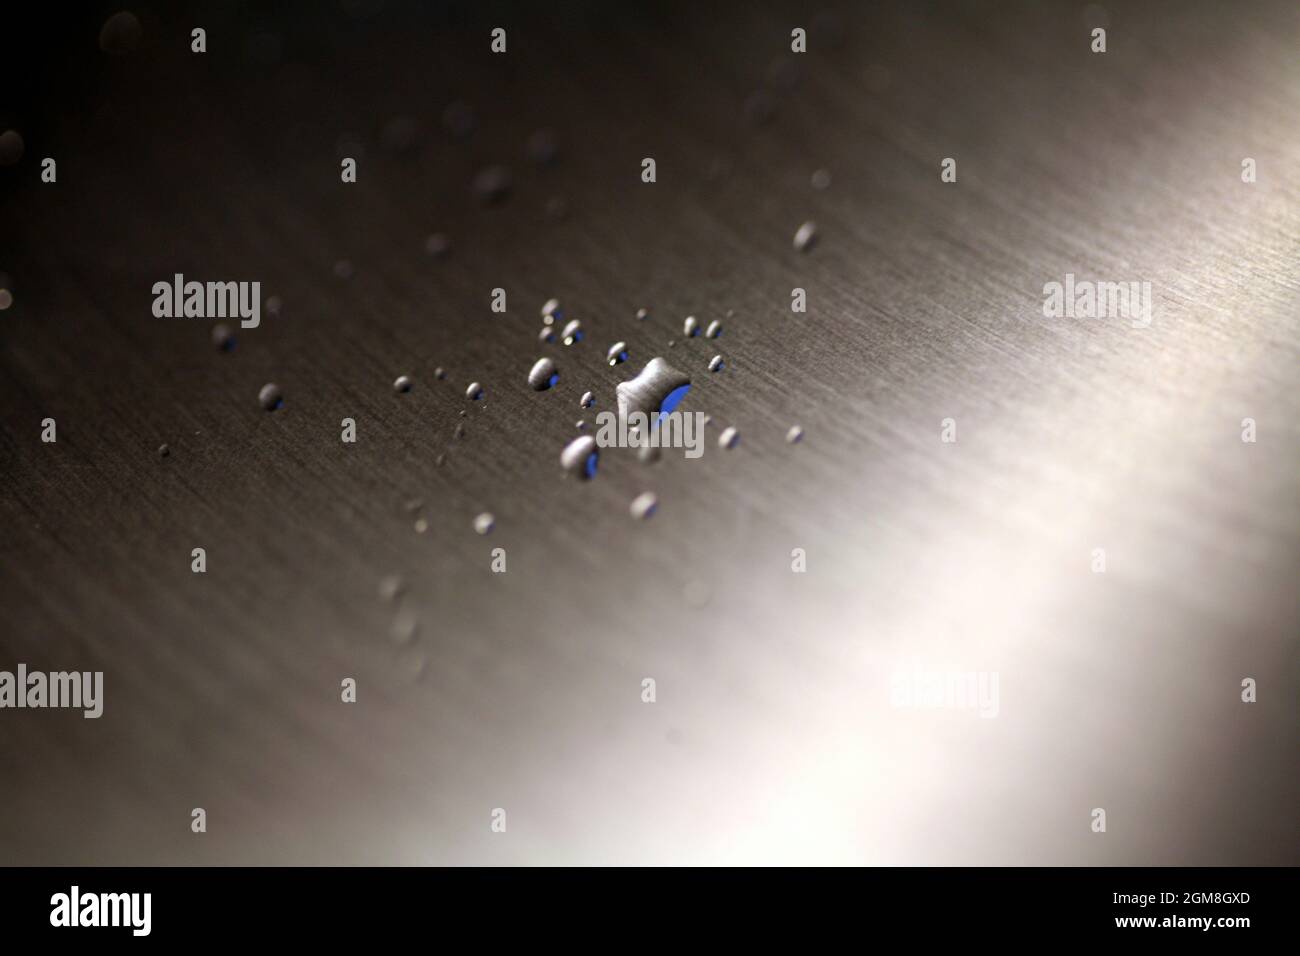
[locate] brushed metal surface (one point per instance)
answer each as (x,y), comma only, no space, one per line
(773,737)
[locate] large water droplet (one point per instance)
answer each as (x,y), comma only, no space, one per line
(402,384)
(580,457)
(691,327)
(572,332)
(474,392)
(543,374)
(659,388)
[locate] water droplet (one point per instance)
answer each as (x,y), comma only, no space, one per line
(273,305)
(690,328)
(714,330)
(543,375)
(547,335)
(485,522)
(391,587)
(474,392)
(6,298)
(11,147)
(492,184)
(120,33)
(437,245)
(439,373)
(421,525)
(617,353)
(729,437)
(270,397)
(659,388)
(440,460)
(821,179)
(642,314)
(343,269)
(405,626)
(572,332)
(580,457)
(644,505)
(459,433)
(648,454)
(543,147)
(587,400)
(806,236)
(580,424)
(794,435)
(223,337)
(551,311)
(402,384)
(459,119)
(163,450)
(716,364)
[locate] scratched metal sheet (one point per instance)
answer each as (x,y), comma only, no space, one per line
(774,736)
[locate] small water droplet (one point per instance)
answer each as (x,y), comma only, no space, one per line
(163,450)
(273,305)
(402,384)
(547,335)
(714,330)
(617,353)
(580,457)
(485,522)
(437,245)
(474,392)
(716,364)
(580,424)
(805,236)
(821,179)
(794,435)
(587,400)
(691,327)
(572,332)
(644,505)
(492,184)
(120,33)
(343,269)
(6,298)
(270,397)
(642,314)
(459,433)
(11,147)
(421,525)
(543,375)
(648,454)
(223,337)
(391,587)
(439,373)
(551,311)
(405,626)
(543,147)
(729,437)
